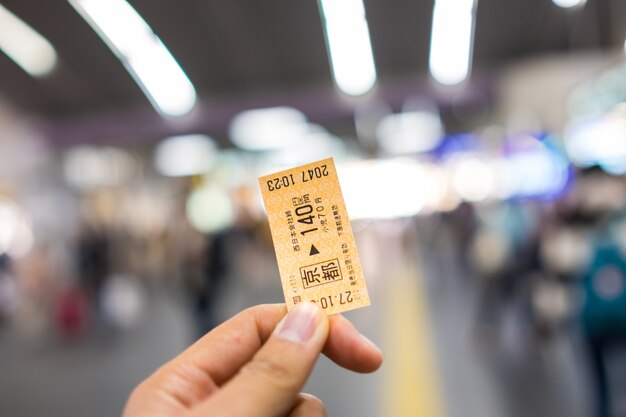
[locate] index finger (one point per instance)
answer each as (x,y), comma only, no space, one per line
(224,350)
(197,373)
(217,356)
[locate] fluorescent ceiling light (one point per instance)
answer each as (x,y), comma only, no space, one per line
(409,132)
(451,40)
(349,45)
(27,48)
(143,54)
(313,146)
(268,128)
(89,167)
(567,4)
(389,179)
(185,155)
(472,178)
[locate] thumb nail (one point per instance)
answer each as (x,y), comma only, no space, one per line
(299,324)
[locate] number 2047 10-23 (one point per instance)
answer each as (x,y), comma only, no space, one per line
(289,180)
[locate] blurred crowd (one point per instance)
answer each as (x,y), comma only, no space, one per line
(92,236)
(545,268)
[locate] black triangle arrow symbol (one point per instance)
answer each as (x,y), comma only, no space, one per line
(313,251)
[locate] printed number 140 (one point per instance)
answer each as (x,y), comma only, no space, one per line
(305,216)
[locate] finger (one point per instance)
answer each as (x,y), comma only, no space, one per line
(347,347)
(269,384)
(197,372)
(308,406)
(223,351)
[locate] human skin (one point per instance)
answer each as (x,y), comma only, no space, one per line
(254,365)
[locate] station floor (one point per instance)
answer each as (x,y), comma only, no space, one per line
(422,315)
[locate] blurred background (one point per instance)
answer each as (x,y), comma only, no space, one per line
(481,148)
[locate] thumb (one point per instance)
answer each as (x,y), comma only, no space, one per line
(269,384)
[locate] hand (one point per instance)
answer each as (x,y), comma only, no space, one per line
(254,365)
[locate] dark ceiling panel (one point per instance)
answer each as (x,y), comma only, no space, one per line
(247,48)
(400,32)
(241,46)
(510,30)
(89,78)
(18,87)
(295,44)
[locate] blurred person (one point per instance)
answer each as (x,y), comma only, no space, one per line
(93,258)
(208,285)
(564,252)
(71,313)
(504,253)
(237,257)
(463,225)
(604,316)
(39,277)
(8,290)
(123,301)
(173,255)
(254,365)
(595,207)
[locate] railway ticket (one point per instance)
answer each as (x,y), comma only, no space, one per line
(313,240)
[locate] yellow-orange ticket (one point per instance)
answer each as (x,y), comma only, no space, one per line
(317,256)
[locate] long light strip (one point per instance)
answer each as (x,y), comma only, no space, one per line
(349,45)
(451,40)
(143,54)
(27,48)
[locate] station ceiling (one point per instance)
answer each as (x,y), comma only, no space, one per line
(246,48)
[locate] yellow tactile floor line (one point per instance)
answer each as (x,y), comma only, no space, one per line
(412,385)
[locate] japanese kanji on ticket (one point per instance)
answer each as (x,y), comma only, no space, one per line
(315,249)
